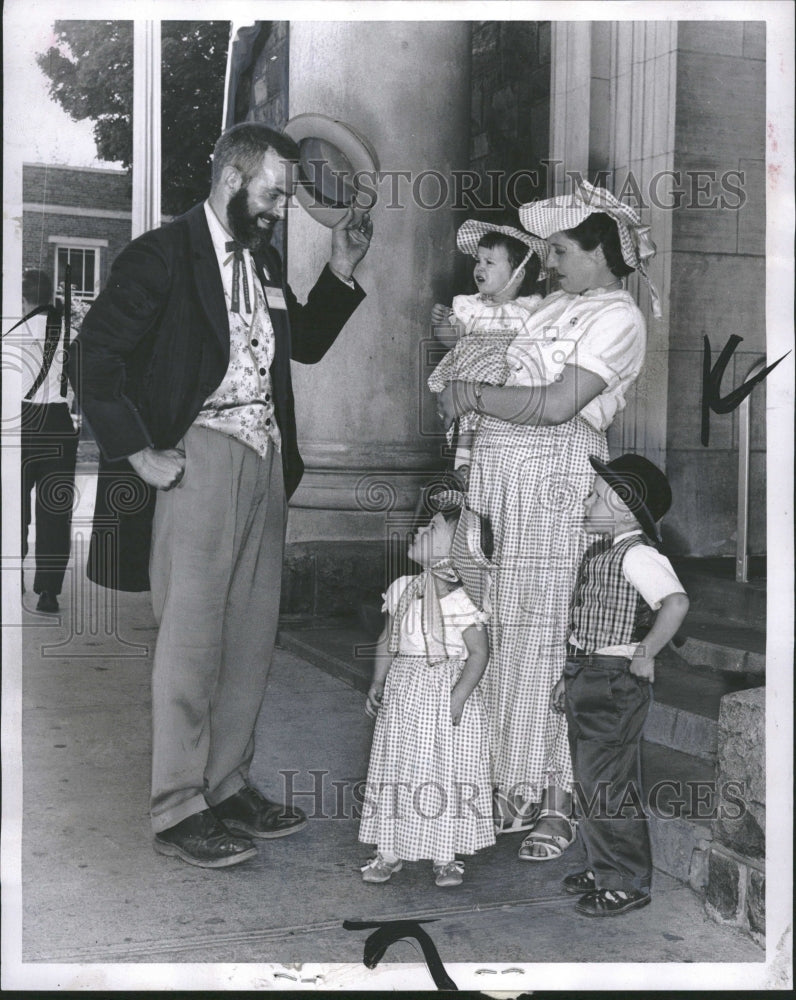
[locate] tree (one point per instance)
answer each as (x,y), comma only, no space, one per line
(90,69)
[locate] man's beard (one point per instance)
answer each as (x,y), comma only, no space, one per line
(243,224)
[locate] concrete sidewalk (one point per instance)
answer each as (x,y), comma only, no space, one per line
(94,890)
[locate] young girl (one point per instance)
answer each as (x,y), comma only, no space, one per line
(508,262)
(428,792)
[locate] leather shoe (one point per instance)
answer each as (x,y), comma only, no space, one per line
(48,603)
(203,841)
(580,882)
(250,813)
(611,902)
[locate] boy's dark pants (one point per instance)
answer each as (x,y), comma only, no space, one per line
(606,707)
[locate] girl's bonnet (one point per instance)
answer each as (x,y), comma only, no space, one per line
(471,233)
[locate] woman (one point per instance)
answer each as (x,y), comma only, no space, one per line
(571,367)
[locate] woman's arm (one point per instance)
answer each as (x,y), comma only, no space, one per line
(477,643)
(535,405)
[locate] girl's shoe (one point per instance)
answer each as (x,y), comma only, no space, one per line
(450,873)
(379,870)
(552,845)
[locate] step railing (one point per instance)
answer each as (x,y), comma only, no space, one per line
(744,447)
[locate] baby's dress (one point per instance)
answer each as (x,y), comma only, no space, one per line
(480,354)
(428,791)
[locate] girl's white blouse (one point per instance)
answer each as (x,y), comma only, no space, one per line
(458,611)
(601,331)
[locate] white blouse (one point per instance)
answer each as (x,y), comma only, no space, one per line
(458,613)
(601,331)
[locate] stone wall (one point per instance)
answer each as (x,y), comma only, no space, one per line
(510,105)
(736,883)
(718,282)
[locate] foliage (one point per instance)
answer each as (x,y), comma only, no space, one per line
(90,69)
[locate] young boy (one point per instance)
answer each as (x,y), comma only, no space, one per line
(605,689)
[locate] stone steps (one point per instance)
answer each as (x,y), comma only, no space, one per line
(343,650)
(713,590)
(706,641)
(685,710)
(681,801)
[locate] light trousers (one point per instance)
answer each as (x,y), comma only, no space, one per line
(215,571)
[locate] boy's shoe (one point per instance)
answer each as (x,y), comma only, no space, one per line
(379,870)
(580,882)
(451,873)
(611,902)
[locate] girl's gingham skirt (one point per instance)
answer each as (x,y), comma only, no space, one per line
(428,792)
(531,483)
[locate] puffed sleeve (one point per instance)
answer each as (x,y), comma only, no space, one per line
(461,611)
(609,339)
(466,308)
(613,342)
(392,595)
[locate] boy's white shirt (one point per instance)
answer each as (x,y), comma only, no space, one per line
(650,573)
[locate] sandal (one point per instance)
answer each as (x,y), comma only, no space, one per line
(553,844)
(511,816)
(611,902)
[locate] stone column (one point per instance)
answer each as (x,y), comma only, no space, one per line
(642,67)
(404,86)
(366,421)
(612,109)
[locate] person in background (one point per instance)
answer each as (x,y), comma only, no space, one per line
(49,441)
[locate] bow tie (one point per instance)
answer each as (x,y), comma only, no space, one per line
(238,270)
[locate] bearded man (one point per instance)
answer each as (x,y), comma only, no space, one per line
(182,370)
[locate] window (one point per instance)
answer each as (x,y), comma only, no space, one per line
(84,262)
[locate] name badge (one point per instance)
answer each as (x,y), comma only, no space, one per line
(275,297)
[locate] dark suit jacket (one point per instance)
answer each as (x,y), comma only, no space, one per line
(152,348)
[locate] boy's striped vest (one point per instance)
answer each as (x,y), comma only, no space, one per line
(606,609)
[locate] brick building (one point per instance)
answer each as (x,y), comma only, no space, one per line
(79,215)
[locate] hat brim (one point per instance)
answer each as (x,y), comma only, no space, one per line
(566,211)
(641,512)
(469,560)
(471,232)
(354,147)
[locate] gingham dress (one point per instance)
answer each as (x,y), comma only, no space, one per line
(531,483)
(480,354)
(428,792)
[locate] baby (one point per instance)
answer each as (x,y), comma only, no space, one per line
(508,261)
